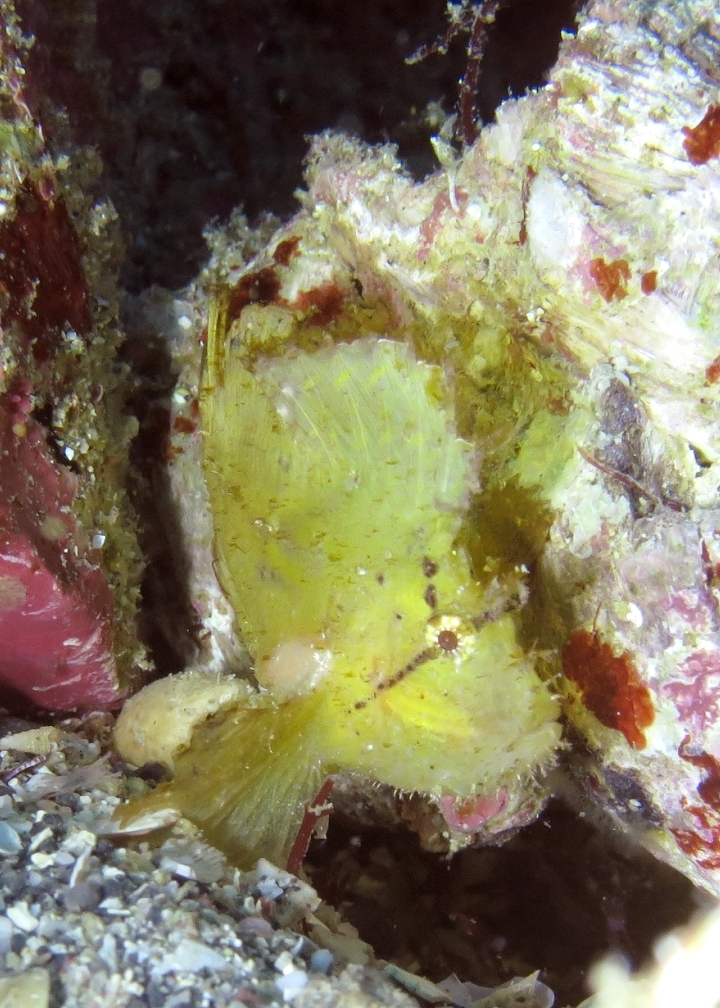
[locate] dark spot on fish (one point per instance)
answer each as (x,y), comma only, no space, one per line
(430,568)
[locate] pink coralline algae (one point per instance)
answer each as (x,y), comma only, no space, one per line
(696,691)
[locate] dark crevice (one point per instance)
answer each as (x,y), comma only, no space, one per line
(556,898)
(210,104)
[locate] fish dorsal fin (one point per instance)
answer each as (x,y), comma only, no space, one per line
(321,466)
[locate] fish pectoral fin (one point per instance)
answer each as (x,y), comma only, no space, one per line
(245,781)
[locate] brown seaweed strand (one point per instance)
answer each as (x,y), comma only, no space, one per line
(473,19)
(484,15)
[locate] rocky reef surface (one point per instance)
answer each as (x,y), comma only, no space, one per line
(70,565)
(560,274)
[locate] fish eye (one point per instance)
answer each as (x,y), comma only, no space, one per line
(447,640)
(452,635)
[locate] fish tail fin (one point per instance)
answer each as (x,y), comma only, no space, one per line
(245,781)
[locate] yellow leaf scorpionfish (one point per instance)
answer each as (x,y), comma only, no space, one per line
(341,493)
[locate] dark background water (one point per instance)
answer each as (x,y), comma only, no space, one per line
(210,102)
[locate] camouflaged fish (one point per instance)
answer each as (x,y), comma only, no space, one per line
(338,488)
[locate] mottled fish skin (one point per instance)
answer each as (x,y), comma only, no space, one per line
(338,487)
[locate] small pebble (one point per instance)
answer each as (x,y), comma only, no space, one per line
(83,896)
(257,926)
(21,917)
(321,960)
(26,990)
(192,956)
(10,842)
(292,983)
(6,931)
(182,999)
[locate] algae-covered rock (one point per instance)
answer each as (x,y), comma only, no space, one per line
(69,560)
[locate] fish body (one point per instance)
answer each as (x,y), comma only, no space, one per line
(338,487)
